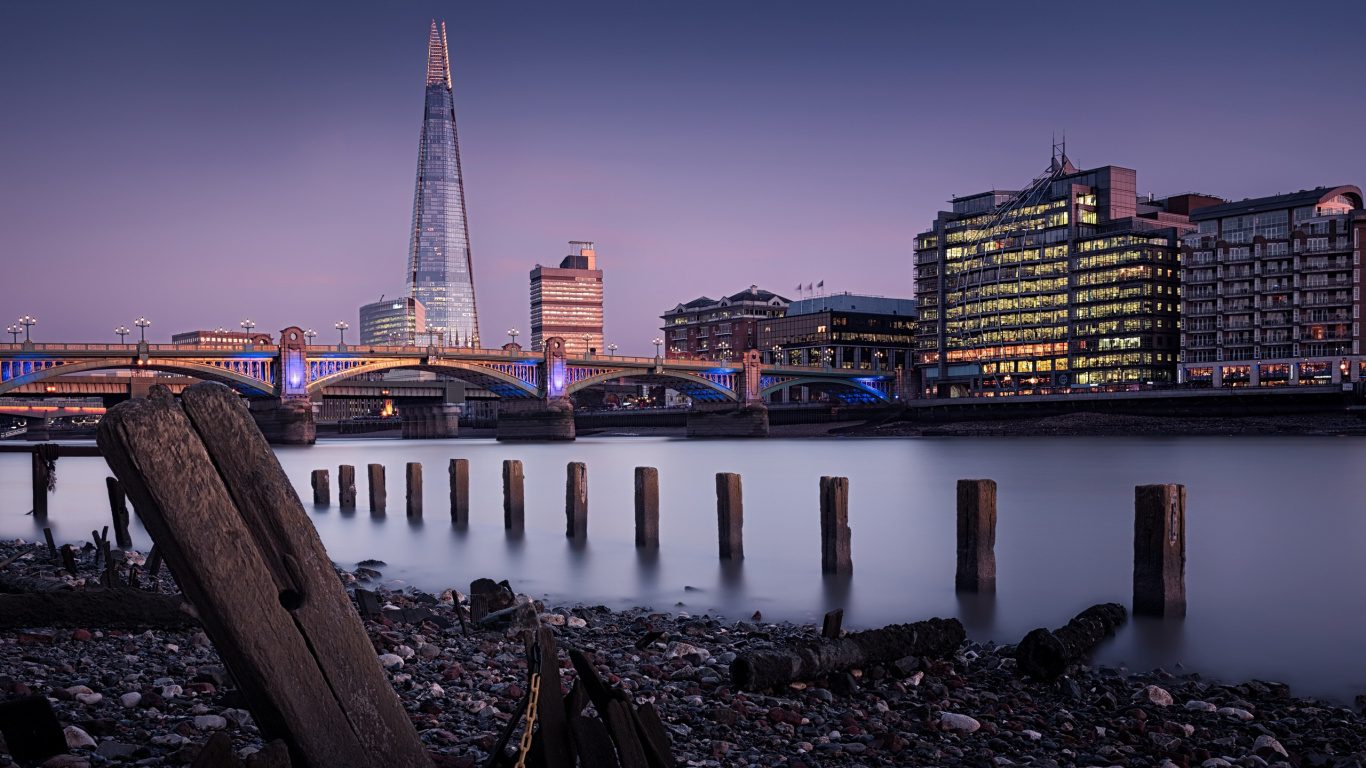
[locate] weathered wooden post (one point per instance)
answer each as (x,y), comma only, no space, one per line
(647,507)
(835,555)
(414,483)
(42,478)
(831,628)
(976,536)
(118,507)
(322,487)
(1160,550)
(576,501)
(730,516)
(514,496)
(460,491)
(378,495)
(346,486)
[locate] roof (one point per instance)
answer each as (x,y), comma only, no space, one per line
(755,293)
(1293,200)
(853,302)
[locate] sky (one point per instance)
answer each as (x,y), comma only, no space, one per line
(203,163)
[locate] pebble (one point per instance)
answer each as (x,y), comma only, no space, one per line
(959,722)
(210,722)
(77,738)
(1155,695)
(390,661)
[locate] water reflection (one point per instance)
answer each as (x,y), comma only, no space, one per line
(977,611)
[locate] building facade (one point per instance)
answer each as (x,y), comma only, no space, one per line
(1071,282)
(393,322)
(567,302)
(845,330)
(440,270)
(221,336)
(706,329)
(1272,291)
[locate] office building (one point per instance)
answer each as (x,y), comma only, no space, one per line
(1071,282)
(567,302)
(392,322)
(221,336)
(706,329)
(440,271)
(1271,291)
(843,330)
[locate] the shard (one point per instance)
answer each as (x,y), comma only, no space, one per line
(440,271)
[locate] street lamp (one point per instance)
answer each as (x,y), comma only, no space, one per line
(14,331)
(143,324)
(28,322)
(586,337)
(122,331)
(657,342)
(341,327)
(247,325)
(513,333)
(310,334)
(611,350)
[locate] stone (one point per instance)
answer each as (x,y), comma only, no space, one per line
(1154,695)
(1195,705)
(688,652)
(515,619)
(77,738)
(1267,745)
(1241,714)
(488,596)
(210,722)
(390,661)
(959,722)
(116,750)
(89,699)
(66,761)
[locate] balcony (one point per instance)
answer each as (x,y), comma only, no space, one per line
(1200,292)
(1320,300)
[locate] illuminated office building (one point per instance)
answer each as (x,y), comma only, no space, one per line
(842,330)
(440,271)
(567,302)
(392,322)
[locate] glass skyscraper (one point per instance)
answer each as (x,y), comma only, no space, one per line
(440,272)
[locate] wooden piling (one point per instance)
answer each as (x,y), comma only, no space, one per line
(730,516)
(41,476)
(834,620)
(378,496)
(460,491)
(414,483)
(576,501)
(835,534)
(51,544)
(1160,550)
(118,508)
(322,487)
(647,507)
(346,486)
(514,496)
(976,536)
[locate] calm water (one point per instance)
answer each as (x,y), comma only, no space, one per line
(1274,525)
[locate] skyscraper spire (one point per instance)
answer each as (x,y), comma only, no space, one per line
(440,269)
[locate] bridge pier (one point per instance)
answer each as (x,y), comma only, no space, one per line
(430,421)
(729,421)
(535,420)
(285,422)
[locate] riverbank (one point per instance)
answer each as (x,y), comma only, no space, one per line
(154,697)
(1118,425)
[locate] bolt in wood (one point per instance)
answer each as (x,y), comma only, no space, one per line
(835,555)
(976,536)
(1160,550)
(346,486)
(378,496)
(576,501)
(730,516)
(647,507)
(460,491)
(514,496)
(414,483)
(322,487)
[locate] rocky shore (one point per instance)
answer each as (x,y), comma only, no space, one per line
(153,697)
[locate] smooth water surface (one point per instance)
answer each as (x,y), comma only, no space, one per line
(1274,529)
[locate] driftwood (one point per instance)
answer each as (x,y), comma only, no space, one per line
(103,608)
(1045,655)
(14,584)
(235,535)
(814,659)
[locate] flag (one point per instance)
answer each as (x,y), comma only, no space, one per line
(799,286)
(821,284)
(808,286)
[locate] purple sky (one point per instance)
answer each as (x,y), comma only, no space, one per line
(204,162)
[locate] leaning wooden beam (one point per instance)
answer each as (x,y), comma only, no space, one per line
(1045,655)
(818,658)
(104,608)
(252,564)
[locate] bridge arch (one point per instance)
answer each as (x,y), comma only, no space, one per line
(197,370)
(827,382)
(504,384)
(690,383)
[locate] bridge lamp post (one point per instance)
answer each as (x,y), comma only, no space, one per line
(657,342)
(513,333)
(310,334)
(122,332)
(143,324)
(14,331)
(341,327)
(586,350)
(611,350)
(247,325)
(28,322)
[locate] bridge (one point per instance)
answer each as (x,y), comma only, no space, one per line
(280,380)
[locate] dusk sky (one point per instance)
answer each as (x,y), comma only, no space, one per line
(199,163)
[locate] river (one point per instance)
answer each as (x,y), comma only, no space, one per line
(1275,534)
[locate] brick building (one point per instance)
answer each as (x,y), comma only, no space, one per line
(708,329)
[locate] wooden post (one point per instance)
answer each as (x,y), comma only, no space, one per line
(576,501)
(976,536)
(118,507)
(835,555)
(1160,550)
(214,497)
(730,516)
(40,481)
(51,544)
(460,491)
(514,496)
(414,478)
(830,630)
(346,486)
(647,507)
(377,493)
(322,487)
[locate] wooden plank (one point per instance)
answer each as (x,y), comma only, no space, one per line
(554,731)
(592,683)
(592,743)
(118,508)
(304,576)
(622,728)
(653,737)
